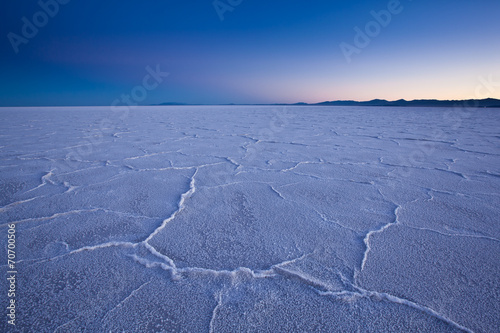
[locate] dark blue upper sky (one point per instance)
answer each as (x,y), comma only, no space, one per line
(93,52)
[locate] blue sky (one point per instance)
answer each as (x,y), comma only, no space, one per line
(91,53)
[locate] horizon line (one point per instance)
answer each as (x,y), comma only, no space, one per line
(323,103)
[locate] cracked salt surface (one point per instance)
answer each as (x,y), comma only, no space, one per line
(257,219)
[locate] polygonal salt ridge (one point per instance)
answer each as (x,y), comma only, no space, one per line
(350,296)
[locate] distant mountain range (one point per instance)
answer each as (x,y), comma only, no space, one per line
(479,103)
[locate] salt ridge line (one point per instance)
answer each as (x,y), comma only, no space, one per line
(452,235)
(64,324)
(276,191)
(157,254)
(273,271)
(363,293)
(319,286)
(7,207)
(178,272)
(322,216)
(327,220)
(45,179)
(150,155)
(190,167)
(135,291)
(82,249)
(348,295)
(181,206)
(306,279)
(214,312)
(103,246)
(324,178)
(78,211)
(456,173)
(366,240)
(70,187)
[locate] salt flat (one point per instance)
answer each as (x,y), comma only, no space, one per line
(254,218)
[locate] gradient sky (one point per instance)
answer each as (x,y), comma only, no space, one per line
(92,52)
